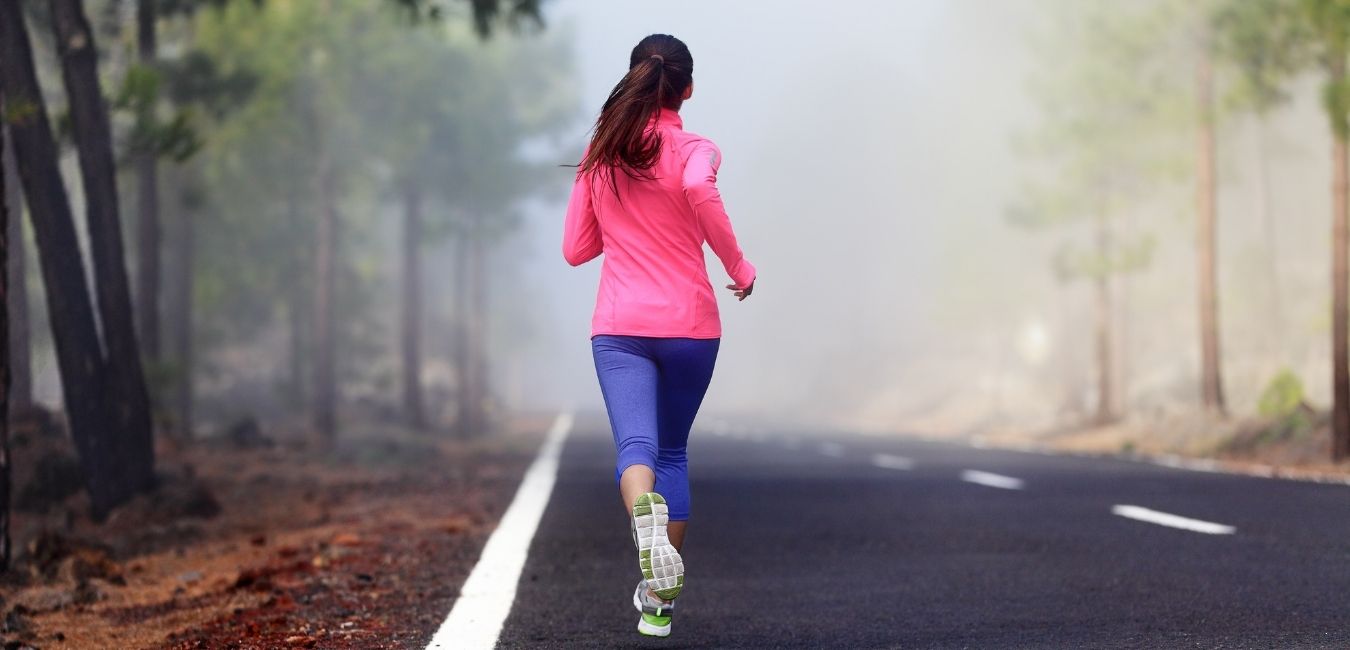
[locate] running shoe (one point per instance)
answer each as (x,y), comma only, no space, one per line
(656,613)
(660,562)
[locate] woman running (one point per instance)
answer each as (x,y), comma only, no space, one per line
(646,196)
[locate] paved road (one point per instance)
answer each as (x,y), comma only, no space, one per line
(797,542)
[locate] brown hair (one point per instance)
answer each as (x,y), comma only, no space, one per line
(660,69)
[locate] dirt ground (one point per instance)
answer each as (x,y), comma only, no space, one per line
(257,542)
(1254,445)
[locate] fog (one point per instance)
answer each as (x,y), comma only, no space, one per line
(872,153)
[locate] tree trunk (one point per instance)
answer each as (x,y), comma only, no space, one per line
(5,217)
(412,307)
(479,391)
(181,284)
(130,402)
(1263,204)
(325,383)
(147,192)
(186,247)
(1106,410)
(70,313)
(296,310)
(20,352)
(1211,384)
(459,346)
(1340,362)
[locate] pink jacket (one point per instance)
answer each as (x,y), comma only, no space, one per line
(654,281)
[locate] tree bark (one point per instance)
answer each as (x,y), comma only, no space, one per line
(5,217)
(20,352)
(185,279)
(479,392)
(412,307)
(1340,361)
(325,383)
(130,401)
(1106,410)
(459,346)
(71,315)
(1211,383)
(1271,235)
(147,193)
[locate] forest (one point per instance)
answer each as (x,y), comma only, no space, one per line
(277,310)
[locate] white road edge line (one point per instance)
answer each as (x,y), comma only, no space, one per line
(989,479)
(832,449)
(890,461)
(475,621)
(1174,521)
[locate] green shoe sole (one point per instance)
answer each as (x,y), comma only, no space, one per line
(660,563)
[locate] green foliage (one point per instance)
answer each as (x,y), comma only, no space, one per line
(1328,21)
(1283,402)
(1266,42)
(1283,396)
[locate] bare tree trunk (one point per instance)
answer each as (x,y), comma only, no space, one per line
(130,400)
(295,312)
(5,217)
(147,192)
(1340,361)
(480,390)
(1211,384)
(20,352)
(1263,203)
(183,282)
(70,313)
(1106,410)
(325,383)
(459,346)
(411,342)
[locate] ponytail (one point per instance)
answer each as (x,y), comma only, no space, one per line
(660,70)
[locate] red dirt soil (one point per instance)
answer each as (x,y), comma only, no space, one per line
(363,546)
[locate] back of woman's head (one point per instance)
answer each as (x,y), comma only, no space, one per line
(660,70)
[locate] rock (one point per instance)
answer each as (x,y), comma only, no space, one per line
(53,555)
(38,600)
(190,577)
(16,621)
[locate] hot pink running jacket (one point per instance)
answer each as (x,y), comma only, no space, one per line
(654,281)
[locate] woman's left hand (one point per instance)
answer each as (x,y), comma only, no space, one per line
(742,294)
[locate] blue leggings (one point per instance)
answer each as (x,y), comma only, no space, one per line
(653,388)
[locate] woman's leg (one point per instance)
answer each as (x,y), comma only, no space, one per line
(686,367)
(628,377)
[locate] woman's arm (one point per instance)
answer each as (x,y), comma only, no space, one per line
(581,232)
(700,188)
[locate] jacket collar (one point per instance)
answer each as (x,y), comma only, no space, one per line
(668,117)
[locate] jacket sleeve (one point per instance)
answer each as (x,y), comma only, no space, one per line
(581,231)
(700,188)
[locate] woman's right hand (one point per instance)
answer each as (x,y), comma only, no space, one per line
(742,294)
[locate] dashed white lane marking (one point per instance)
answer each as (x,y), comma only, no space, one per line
(890,461)
(991,480)
(1174,521)
(485,600)
(832,449)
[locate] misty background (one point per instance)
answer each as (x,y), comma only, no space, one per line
(874,152)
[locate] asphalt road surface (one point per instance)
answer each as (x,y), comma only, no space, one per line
(861,542)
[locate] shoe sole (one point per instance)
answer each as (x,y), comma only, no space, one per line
(660,562)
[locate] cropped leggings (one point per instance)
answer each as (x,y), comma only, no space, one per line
(653,388)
